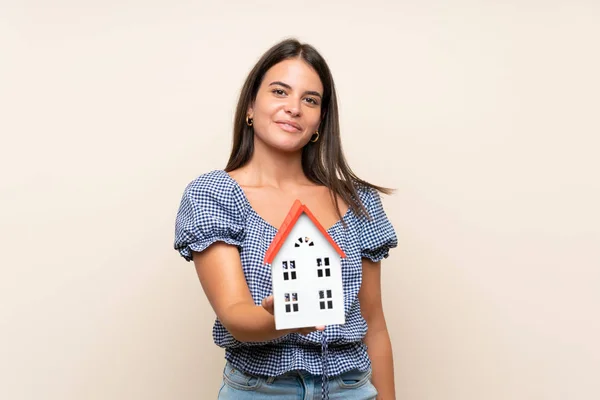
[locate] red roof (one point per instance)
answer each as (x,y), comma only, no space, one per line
(286,227)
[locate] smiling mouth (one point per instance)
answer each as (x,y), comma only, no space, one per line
(288,127)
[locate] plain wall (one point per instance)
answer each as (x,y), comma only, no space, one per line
(484,116)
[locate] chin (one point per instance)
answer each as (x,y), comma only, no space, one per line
(286,143)
(288,147)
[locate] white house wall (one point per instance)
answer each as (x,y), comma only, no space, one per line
(307,284)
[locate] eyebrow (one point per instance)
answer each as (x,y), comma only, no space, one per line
(285,85)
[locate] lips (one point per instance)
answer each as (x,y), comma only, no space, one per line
(289,126)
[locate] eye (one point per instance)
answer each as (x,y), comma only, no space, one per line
(312,100)
(279,92)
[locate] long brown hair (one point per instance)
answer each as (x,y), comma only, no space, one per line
(323,162)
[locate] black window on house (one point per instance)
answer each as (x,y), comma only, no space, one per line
(323,269)
(293,269)
(291,302)
(304,240)
(325,299)
(289,270)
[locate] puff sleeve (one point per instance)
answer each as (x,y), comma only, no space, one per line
(377,234)
(207,213)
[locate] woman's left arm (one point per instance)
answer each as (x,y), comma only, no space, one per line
(377,339)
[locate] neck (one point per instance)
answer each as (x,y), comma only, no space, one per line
(270,167)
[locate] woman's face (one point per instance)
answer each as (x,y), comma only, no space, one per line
(287,109)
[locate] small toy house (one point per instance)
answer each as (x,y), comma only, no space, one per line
(306,271)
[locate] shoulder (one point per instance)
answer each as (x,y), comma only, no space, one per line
(366,193)
(213,183)
(377,234)
(369,198)
(215,189)
(211,209)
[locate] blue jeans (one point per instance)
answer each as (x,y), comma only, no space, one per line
(295,385)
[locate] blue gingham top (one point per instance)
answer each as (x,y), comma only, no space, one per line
(215,208)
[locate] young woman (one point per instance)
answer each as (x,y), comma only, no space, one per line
(286,146)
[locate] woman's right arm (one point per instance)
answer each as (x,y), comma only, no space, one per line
(220,272)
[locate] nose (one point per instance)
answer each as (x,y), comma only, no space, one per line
(292,107)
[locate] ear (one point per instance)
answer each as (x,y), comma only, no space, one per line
(250,112)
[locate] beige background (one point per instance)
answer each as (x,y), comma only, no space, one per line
(484,116)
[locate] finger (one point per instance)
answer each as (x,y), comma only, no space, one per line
(306,331)
(267,304)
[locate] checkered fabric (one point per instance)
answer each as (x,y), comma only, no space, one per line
(215,208)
